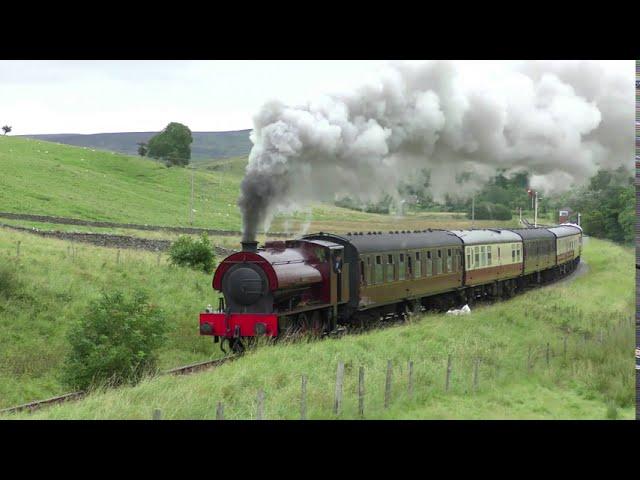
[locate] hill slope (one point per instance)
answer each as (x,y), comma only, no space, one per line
(593,380)
(51,179)
(205,144)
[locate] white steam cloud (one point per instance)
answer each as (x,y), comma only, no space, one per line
(559,121)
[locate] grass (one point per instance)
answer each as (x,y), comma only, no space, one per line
(594,381)
(50,291)
(53,179)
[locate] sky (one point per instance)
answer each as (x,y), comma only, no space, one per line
(38,97)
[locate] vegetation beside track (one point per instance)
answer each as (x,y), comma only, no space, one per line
(595,379)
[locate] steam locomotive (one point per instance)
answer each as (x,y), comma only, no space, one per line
(323,283)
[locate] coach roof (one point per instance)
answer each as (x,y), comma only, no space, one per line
(565,231)
(534,233)
(383,242)
(475,237)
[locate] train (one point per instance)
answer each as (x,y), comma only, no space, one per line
(325,283)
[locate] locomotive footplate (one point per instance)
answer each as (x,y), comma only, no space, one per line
(238,325)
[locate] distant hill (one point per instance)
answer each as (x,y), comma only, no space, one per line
(206,145)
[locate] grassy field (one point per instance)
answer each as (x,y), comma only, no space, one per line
(594,380)
(52,292)
(52,179)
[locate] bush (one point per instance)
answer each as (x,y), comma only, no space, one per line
(115,343)
(490,211)
(9,282)
(187,252)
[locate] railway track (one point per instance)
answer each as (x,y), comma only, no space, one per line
(68,397)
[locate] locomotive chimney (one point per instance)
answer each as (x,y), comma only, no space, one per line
(249,246)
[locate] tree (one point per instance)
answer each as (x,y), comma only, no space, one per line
(187,252)
(142,149)
(6,129)
(116,341)
(173,144)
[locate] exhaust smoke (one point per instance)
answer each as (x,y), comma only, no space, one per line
(560,121)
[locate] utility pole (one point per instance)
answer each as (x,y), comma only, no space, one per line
(535,214)
(578,219)
(473,211)
(520,209)
(191,204)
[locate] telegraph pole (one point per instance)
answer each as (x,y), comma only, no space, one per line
(191,203)
(535,214)
(473,211)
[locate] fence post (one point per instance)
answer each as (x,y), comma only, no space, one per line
(529,359)
(548,352)
(361,392)
(303,399)
(118,257)
(410,385)
(158,260)
(260,412)
(338,399)
(476,380)
(564,348)
(220,411)
(157,414)
(18,249)
(387,386)
(448,378)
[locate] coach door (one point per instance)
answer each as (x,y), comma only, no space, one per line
(339,276)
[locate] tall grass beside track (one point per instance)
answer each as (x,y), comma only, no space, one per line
(47,289)
(594,381)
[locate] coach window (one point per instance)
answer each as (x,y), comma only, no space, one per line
(418,268)
(476,252)
(439,262)
(468,258)
(401,267)
(518,253)
(390,272)
(482,256)
(489,255)
(513,254)
(449,261)
(362,273)
(429,264)
(378,269)
(409,265)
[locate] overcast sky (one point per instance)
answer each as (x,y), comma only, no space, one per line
(126,96)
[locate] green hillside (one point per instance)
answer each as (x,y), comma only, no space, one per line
(593,380)
(205,145)
(52,179)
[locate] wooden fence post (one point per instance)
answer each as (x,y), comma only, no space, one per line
(387,386)
(118,257)
(548,353)
(157,414)
(476,380)
(303,399)
(361,392)
(338,399)
(410,383)
(529,359)
(18,249)
(260,412)
(564,348)
(220,411)
(448,378)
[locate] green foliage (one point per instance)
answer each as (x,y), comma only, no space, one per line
(116,342)
(173,144)
(142,149)
(10,283)
(490,211)
(606,205)
(196,254)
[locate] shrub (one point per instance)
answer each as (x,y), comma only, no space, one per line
(115,343)
(490,211)
(9,282)
(196,254)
